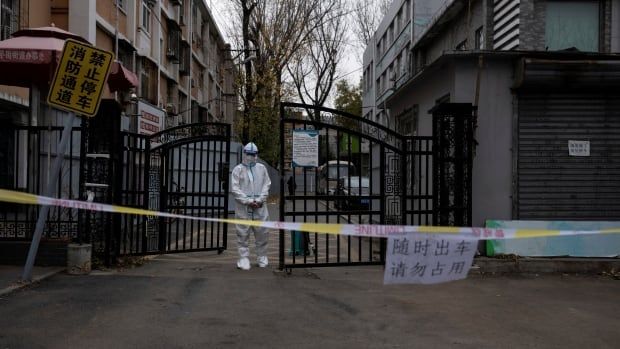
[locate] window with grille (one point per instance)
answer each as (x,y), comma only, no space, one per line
(173,50)
(9,18)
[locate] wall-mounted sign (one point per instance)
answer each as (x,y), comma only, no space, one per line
(79,79)
(579,148)
(150,119)
(305,148)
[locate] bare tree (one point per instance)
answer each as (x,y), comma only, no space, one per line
(313,68)
(274,31)
(367,14)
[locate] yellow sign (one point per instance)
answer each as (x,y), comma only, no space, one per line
(79,79)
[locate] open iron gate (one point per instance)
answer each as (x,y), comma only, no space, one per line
(369,174)
(182,170)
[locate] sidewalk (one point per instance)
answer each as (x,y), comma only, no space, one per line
(10,276)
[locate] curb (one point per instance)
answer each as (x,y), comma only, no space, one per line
(523,265)
(20,285)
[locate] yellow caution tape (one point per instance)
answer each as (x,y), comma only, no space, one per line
(369,230)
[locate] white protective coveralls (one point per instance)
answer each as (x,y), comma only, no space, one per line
(250,184)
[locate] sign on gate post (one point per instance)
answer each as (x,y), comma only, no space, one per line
(79,79)
(77,88)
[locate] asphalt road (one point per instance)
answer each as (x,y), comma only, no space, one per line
(201,300)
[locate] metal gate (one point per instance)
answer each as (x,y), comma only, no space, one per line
(182,170)
(362,178)
(369,174)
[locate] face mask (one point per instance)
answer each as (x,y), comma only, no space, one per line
(251,160)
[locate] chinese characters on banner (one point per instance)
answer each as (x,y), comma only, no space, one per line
(80,78)
(427,259)
(24,56)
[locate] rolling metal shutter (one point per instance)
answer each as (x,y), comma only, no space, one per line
(550,184)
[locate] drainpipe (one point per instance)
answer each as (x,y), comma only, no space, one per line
(190,35)
(116,40)
(158,38)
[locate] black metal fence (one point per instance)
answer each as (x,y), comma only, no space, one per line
(27,155)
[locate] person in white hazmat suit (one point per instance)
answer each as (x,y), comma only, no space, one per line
(250,188)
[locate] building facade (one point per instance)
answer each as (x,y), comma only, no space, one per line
(544,76)
(387,58)
(175,49)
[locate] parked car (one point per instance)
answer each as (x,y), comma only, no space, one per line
(329,173)
(356,190)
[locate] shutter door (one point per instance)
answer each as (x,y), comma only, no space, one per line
(551,185)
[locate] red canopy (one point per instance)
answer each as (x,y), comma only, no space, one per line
(30,57)
(121,78)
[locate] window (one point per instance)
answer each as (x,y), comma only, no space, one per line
(148,80)
(184,60)
(9,18)
(407,11)
(480,38)
(173,51)
(146,16)
(120,4)
(572,24)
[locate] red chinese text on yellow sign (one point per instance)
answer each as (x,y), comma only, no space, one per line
(80,78)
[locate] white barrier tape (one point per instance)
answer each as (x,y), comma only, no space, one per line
(368,230)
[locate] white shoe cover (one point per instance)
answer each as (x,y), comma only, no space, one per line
(262,261)
(243,263)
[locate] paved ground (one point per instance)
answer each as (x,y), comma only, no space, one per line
(201,300)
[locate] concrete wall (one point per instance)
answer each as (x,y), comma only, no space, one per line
(458,31)
(82,14)
(424,93)
(492,171)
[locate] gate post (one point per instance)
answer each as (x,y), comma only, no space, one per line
(98,176)
(403,181)
(282,202)
(452,163)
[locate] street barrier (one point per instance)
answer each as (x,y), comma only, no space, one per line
(368,230)
(415,254)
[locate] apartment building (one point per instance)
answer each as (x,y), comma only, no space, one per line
(544,77)
(173,48)
(387,58)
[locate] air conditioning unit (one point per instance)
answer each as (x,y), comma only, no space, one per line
(170,53)
(171,109)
